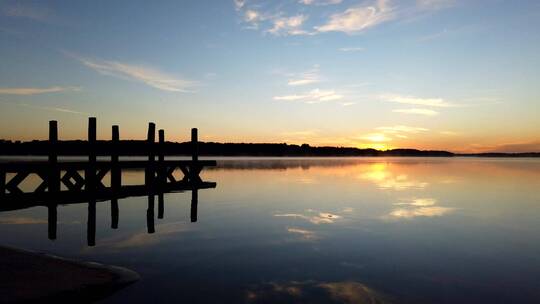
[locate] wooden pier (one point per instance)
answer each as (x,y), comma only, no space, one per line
(74,182)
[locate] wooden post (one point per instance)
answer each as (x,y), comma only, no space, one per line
(161,158)
(91,224)
(194,202)
(92,125)
(116,175)
(54,173)
(52,220)
(90,177)
(161,135)
(194,145)
(114,213)
(161,207)
(2,183)
(150,214)
(149,172)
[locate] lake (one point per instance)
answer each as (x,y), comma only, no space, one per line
(318,230)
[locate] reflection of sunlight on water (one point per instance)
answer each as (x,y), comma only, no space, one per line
(381,175)
(419,207)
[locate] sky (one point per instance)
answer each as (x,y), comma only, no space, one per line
(457,75)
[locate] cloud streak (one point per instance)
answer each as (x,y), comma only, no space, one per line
(313,96)
(308,77)
(147,75)
(412,100)
(417,111)
(320,2)
(36,91)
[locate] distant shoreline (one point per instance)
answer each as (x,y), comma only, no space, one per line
(140,148)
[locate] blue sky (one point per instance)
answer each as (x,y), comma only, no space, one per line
(433,74)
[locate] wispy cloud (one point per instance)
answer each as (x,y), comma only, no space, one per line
(36,91)
(352,49)
(307,77)
(426,112)
(238,4)
(359,18)
(435,4)
(56,109)
(20,10)
(288,25)
(412,100)
(147,75)
(320,2)
(401,129)
(313,96)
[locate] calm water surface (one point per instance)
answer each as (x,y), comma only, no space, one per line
(354,230)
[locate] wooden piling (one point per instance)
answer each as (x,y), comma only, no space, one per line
(2,183)
(52,220)
(116,175)
(162,174)
(150,214)
(54,172)
(161,206)
(90,172)
(194,203)
(91,224)
(150,139)
(194,145)
(114,213)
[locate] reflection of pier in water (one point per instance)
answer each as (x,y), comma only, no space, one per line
(62,183)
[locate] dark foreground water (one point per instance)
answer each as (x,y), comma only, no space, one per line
(361,230)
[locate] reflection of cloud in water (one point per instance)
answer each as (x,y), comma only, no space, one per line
(425,207)
(321,218)
(142,239)
(20,220)
(385,179)
(420,202)
(304,234)
(314,292)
